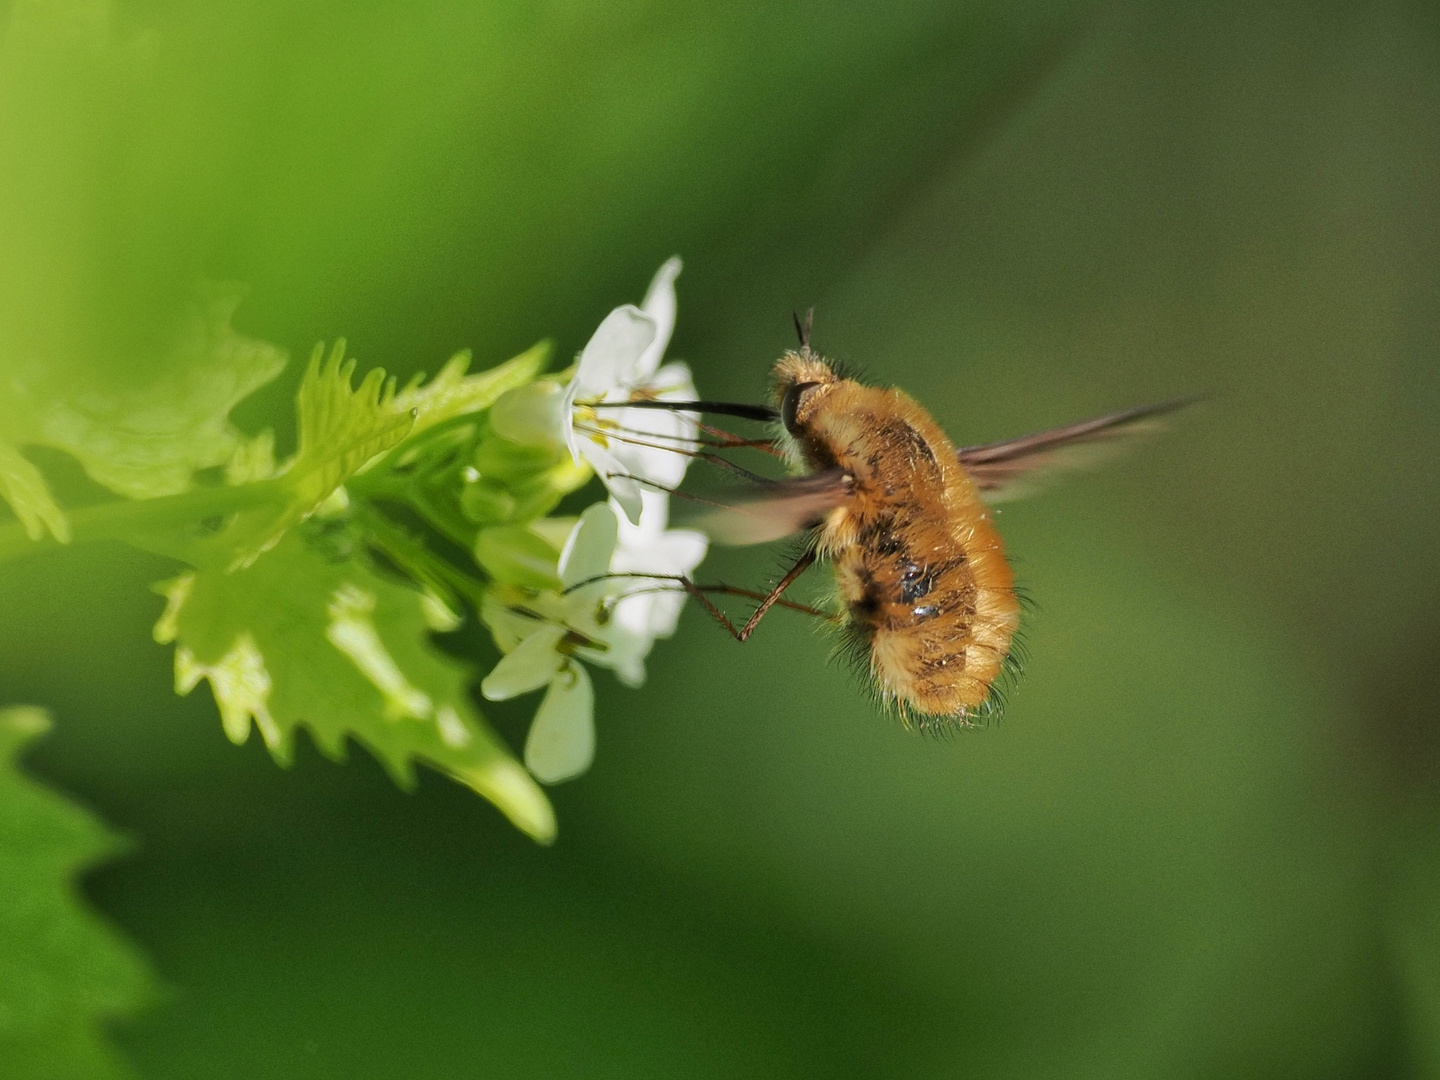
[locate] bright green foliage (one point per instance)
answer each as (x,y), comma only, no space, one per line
(341,428)
(139,442)
(22,486)
(150,441)
(306,636)
(453,393)
(62,972)
(283,612)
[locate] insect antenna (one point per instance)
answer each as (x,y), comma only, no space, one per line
(802,330)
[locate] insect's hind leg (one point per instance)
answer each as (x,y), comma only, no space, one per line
(802,564)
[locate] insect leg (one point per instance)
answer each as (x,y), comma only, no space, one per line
(733,442)
(697,593)
(730,590)
(801,565)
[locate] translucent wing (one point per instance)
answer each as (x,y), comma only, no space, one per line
(1017,467)
(776,510)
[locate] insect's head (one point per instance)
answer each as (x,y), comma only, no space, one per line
(802,380)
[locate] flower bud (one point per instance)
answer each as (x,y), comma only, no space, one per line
(532,415)
(502,459)
(516,556)
(485,502)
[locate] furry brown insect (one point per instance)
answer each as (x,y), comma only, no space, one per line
(928,597)
(918,564)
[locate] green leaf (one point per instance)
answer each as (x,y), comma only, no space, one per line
(344,430)
(341,428)
(299,638)
(62,971)
(149,441)
(453,393)
(22,486)
(141,442)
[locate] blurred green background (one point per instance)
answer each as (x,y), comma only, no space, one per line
(1206,839)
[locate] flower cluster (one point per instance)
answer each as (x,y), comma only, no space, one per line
(565,604)
(313,582)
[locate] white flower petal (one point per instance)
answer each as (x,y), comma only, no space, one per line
(573,439)
(677,551)
(648,545)
(634,613)
(654,514)
(507,626)
(627,495)
(561,743)
(613,474)
(590,545)
(660,306)
(680,551)
(650,442)
(664,614)
(649,548)
(624,654)
(609,361)
(631,673)
(529,666)
(673,382)
(651,448)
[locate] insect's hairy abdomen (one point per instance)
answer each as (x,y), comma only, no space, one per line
(917,561)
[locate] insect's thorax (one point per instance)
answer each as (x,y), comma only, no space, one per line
(917,562)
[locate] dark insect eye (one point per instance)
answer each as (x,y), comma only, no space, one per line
(791,402)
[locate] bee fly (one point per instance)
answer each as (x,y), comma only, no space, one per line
(901,515)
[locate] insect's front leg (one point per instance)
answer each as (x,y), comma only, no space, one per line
(698,593)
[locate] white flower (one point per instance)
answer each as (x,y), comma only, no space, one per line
(621,362)
(608,621)
(561,743)
(650,548)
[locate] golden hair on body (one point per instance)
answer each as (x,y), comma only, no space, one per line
(918,565)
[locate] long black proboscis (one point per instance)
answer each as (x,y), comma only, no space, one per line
(718,408)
